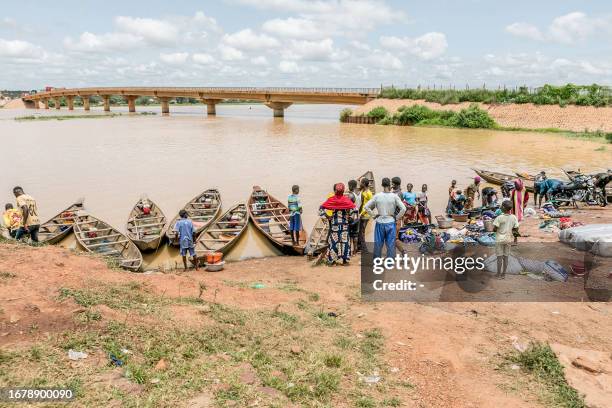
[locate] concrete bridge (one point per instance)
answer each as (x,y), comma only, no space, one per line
(277,99)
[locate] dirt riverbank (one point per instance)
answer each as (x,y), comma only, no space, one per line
(526,116)
(212,339)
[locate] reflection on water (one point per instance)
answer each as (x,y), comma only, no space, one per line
(111,162)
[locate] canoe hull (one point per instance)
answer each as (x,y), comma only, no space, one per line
(49,233)
(498,178)
(190,208)
(278,213)
(136,220)
(210,238)
(98,237)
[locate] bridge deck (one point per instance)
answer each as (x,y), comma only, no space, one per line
(274,94)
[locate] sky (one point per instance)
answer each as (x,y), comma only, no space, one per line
(304,43)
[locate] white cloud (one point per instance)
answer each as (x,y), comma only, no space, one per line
(20,49)
(230,53)
(248,40)
(288,67)
(156,32)
(384,61)
(567,29)
(525,30)
(206,21)
(175,58)
(89,42)
(313,51)
(427,46)
(261,60)
(350,17)
(203,59)
(300,28)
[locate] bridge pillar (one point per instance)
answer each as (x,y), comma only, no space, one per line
(70,102)
(46,103)
(211,106)
(36,104)
(106,99)
(278,108)
(165,105)
(85,100)
(131,100)
(57,102)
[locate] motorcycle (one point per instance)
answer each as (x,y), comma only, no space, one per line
(581,189)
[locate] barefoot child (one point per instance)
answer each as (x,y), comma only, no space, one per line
(186,234)
(295,219)
(505,226)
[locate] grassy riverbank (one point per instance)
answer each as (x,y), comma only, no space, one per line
(472,116)
(569,94)
(69,117)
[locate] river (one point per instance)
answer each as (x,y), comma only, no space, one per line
(111,162)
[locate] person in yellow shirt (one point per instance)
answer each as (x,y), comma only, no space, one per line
(12,219)
(364,217)
(29,210)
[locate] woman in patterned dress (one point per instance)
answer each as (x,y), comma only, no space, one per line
(342,210)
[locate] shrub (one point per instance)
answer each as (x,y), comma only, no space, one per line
(413,115)
(609,137)
(378,113)
(474,117)
(344,114)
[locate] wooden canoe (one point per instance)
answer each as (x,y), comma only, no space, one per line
(146,230)
(525,176)
(271,217)
(58,227)
(202,210)
(98,237)
(224,232)
(496,178)
(317,240)
(370,176)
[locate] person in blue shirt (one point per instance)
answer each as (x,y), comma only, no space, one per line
(409,199)
(295,217)
(548,187)
(186,235)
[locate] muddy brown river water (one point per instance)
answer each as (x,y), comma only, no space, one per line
(111,162)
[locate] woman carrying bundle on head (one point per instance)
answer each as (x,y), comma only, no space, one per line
(343,211)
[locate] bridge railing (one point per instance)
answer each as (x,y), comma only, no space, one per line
(285,90)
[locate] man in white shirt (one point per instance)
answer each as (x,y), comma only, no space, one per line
(389,209)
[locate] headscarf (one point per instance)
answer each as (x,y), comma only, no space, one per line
(477,179)
(519,198)
(338,201)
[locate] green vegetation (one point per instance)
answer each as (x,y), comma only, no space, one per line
(344,114)
(294,354)
(418,115)
(68,117)
(570,94)
(609,137)
(541,362)
(378,113)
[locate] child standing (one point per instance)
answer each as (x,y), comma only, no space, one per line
(186,235)
(13,220)
(295,218)
(505,226)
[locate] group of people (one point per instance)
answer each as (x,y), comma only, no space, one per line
(22,220)
(514,191)
(349,212)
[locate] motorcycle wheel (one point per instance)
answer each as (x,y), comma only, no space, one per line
(601,200)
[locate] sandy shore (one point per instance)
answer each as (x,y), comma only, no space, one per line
(435,354)
(529,116)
